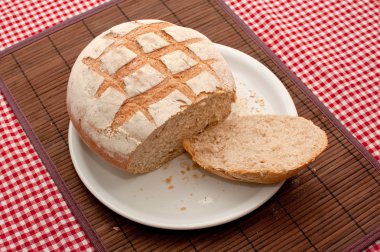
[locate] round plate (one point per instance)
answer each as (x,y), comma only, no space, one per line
(180,195)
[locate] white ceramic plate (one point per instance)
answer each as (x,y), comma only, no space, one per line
(179,195)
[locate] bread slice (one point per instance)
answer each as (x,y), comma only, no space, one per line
(259,148)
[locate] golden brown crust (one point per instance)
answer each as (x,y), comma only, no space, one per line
(245,175)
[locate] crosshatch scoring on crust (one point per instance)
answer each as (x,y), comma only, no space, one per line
(141,63)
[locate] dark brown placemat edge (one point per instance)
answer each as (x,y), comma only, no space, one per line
(374,235)
(364,242)
(58,27)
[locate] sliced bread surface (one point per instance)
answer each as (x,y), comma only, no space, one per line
(258,148)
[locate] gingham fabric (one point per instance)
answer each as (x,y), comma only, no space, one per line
(20,19)
(334,47)
(33,214)
(374,248)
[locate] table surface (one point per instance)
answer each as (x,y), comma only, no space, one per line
(332,47)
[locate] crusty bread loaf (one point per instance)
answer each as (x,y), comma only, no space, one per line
(258,148)
(138,89)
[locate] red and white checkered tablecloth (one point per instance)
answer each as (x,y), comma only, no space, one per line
(375,247)
(333,46)
(33,214)
(21,19)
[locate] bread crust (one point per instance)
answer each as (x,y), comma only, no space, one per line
(266,176)
(118,162)
(133,78)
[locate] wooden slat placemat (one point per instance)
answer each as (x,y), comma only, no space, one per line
(328,206)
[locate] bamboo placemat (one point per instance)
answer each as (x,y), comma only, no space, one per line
(330,205)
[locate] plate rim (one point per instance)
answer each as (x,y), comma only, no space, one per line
(211,222)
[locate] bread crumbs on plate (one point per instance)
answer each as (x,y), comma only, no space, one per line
(170,187)
(183,209)
(168,180)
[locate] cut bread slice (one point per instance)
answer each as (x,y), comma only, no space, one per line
(259,148)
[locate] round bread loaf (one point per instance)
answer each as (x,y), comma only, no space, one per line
(138,89)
